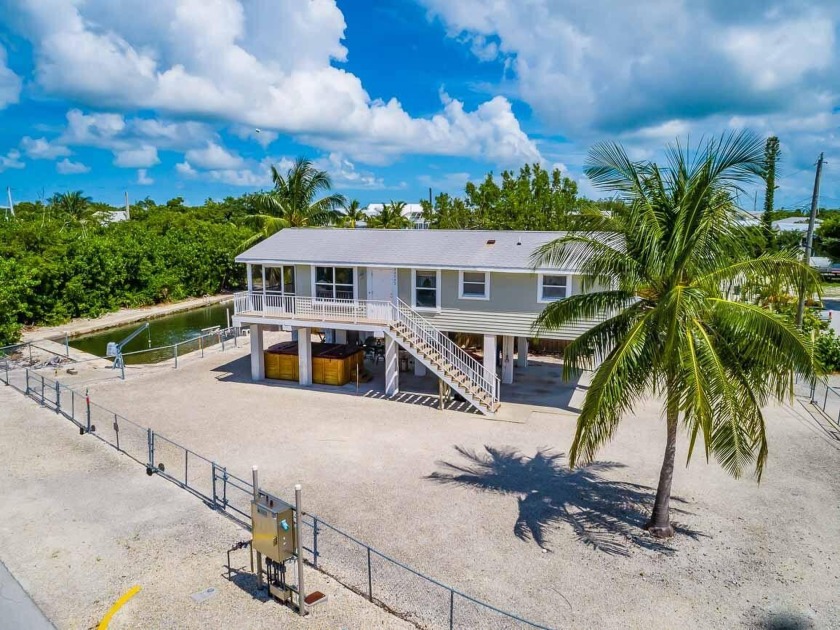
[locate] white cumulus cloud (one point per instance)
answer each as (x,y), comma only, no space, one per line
(143,177)
(139,157)
(214,156)
(67,167)
(42,149)
(11,160)
(10,83)
(260,64)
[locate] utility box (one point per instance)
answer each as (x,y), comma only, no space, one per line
(273,528)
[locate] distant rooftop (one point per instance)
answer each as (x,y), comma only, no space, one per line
(434,249)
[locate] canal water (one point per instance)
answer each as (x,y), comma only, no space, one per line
(163,331)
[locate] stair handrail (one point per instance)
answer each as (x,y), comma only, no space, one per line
(451,352)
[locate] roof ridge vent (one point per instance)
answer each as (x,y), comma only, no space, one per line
(491,241)
(519,240)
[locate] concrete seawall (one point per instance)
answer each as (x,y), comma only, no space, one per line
(85,326)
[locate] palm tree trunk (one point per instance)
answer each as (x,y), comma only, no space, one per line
(659,524)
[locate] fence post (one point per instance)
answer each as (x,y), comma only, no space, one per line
(57,397)
(315,542)
(66,344)
(451,609)
(30,352)
(122,369)
(42,389)
(224,488)
(117,431)
(186,467)
(213,472)
(234,338)
(201,344)
(87,405)
(150,441)
(7,371)
(176,356)
(27,381)
(370,578)
(222,338)
(825,400)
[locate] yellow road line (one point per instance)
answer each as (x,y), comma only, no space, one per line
(103,625)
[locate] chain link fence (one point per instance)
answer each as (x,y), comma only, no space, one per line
(395,586)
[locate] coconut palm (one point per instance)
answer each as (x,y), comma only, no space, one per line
(390,216)
(669,329)
(75,207)
(352,214)
(300,198)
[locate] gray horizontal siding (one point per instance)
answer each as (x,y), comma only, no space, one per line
(497,323)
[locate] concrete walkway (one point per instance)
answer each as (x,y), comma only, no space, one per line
(17,610)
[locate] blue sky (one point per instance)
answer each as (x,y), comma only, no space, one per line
(395,96)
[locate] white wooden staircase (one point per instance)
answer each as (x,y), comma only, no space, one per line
(451,363)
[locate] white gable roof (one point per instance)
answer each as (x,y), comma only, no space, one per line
(434,249)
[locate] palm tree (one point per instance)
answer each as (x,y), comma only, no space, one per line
(352,214)
(76,208)
(295,201)
(669,328)
(390,216)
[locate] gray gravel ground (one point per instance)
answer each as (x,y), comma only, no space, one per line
(514,526)
(522,531)
(80,524)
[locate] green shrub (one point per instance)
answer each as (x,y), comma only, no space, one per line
(828,350)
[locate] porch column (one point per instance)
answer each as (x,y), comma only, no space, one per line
(490,353)
(257,356)
(304,356)
(392,366)
(522,352)
(340,336)
(250,306)
(507,359)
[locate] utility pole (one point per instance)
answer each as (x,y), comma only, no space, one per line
(127,207)
(809,240)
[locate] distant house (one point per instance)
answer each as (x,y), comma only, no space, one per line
(412,211)
(415,288)
(794,224)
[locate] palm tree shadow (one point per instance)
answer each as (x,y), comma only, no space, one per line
(608,515)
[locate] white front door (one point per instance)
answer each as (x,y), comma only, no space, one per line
(381,287)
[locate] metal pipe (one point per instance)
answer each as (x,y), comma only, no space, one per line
(299,537)
(370,578)
(66,344)
(255,481)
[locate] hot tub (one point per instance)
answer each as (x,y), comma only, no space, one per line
(332,363)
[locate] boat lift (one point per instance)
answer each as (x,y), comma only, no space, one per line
(114,349)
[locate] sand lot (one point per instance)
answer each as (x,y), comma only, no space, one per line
(511,524)
(80,524)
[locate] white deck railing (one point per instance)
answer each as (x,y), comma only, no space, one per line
(274,304)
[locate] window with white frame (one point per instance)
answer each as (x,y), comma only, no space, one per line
(552,287)
(474,285)
(426,289)
(334,283)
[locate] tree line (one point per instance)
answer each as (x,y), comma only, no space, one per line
(67,257)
